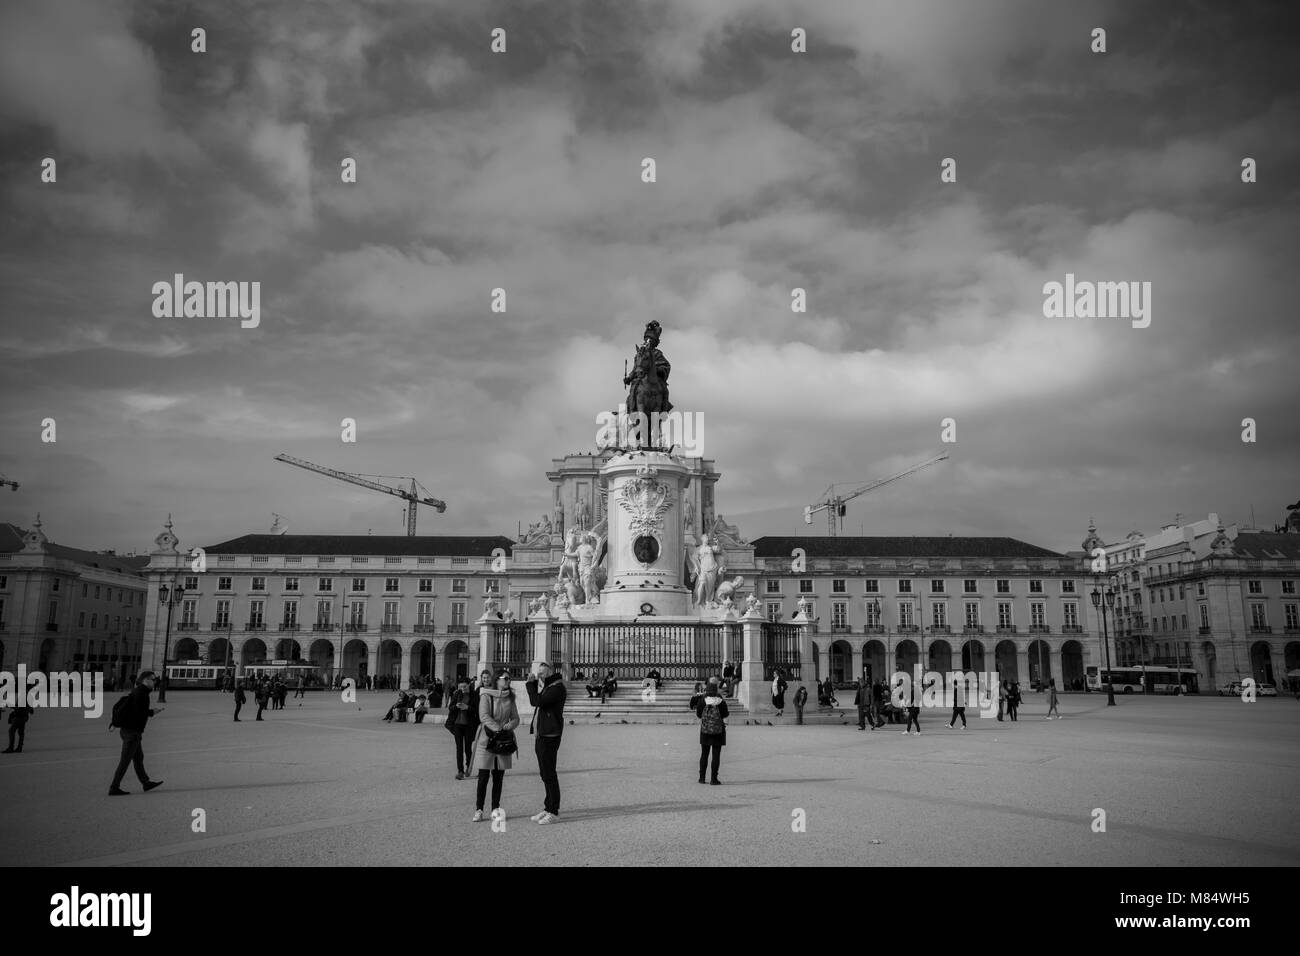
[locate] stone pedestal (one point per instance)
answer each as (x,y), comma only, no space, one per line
(646,562)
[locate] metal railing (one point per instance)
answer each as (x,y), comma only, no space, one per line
(781,649)
(689,652)
(511,646)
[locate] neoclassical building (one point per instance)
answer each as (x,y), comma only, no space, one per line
(64,608)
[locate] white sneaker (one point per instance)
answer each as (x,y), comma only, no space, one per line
(547,818)
(538,815)
(906,732)
(478,817)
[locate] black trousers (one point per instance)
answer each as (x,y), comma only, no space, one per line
(1011,710)
(913,717)
(464,748)
(958,712)
(714,745)
(548,751)
(132,753)
(498,778)
(21,731)
(238,705)
(862,717)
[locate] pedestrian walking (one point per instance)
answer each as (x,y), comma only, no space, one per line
(712,712)
(778,692)
(800,701)
(1051,700)
(1013,700)
(301,690)
(878,698)
(862,701)
(497,715)
(240,698)
(1002,698)
(18,728)
(958,704)
(547,694)
(260,695)
(462,721)
(131,721)
(913,711)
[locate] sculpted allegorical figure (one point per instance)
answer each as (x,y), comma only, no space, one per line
(584,514)
(706,570)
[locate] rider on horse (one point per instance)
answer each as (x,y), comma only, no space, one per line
(661,369)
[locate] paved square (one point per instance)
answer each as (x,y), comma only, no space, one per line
(1183,781)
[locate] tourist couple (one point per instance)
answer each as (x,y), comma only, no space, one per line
(494,745)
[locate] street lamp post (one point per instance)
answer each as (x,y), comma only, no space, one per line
(1105,637)
(170,597)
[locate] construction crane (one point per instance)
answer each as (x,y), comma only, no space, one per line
(834,505)
(415,494)
(13,485)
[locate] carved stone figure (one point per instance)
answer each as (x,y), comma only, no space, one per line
(751,603)
(490,607)
(705,569)
(587,569)
(726,533)
(688,522)
(728,589)
(648,381)
(583,516)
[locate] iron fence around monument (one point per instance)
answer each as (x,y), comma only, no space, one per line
(781,649)
(689,652)
(511,647)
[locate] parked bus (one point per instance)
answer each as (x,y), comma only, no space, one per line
(1160,680)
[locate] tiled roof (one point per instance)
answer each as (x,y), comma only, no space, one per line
(1267,545)
(364,544)
(882,547)
(11,541)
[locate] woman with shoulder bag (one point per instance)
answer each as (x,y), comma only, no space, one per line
(494,744)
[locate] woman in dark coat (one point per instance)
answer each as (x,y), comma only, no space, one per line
(712,711)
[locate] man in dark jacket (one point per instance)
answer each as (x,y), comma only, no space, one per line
(18,727)
(862,701)
(240,699)
(549,720)
(131,727)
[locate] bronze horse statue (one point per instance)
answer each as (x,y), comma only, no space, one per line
(649,393)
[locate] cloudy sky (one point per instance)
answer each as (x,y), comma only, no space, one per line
(522,170)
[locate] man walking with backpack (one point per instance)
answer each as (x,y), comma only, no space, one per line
(549,720)
(130,714)
(712,711)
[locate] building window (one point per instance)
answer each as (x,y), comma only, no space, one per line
(838,586)
(1205,615)
(56,586)
(1257,616)
(1035,586)
(1071,614)
(94,621)
(1182,592)
(1037,614)
(255,612)
(1200,589)
(936,586)
(805,586)
(905,586)
(970,586)
(291,584)
(457,585)
(773,586)
(291,613)
(358,584)
(1292,618)
(492,586)
(1288,587)
(259,584)
(81,618)
(426,585)
(939,614)
(1255,587)
(1067,587)
(906,614)
(873,614)
(424,614)
(324,611)
(390,613)
(357,615)
(54,614)
(873,586)
(839,614)
(191,583)
(774,611)
(96,592)
(1184,617)
(972,614)
(1004,586)
(390,585)
(224,584)
(325,584)
(1004,614)
(189,611)
(223,613)
(458,614)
